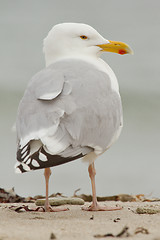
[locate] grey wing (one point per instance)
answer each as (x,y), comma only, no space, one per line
(67,111)
(42,138)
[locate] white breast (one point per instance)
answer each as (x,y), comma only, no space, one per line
(103,66)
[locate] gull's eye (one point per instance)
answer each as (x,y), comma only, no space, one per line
(83,37)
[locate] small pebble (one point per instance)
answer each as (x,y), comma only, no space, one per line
(92,217)
(116,219)
(52,236)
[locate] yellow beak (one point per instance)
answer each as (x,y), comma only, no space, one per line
(116,47)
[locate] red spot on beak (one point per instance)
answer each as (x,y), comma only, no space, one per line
(121,51)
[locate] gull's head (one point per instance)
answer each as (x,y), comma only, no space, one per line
(77,40)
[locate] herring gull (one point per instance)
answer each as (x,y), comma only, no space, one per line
(72,108)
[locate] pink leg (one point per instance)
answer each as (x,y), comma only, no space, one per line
(48,208)
(95,206)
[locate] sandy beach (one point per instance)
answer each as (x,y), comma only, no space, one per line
(78,224)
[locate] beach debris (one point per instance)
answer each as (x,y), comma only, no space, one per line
(58,194)
(92,217)
(141,230)
(25,208)
(57,201)
(52,236)
(119,197)
(104,235)
(116,219)
(9,196)
(141,210)
(123,233)
(36,218)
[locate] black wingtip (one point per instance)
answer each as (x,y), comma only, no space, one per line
(35,161)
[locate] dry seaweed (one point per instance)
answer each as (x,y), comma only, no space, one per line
(9,196)
(104,235)
(141,230)
(25,208)
(123,233)
(119,197)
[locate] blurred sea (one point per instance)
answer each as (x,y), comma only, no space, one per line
(132,164)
